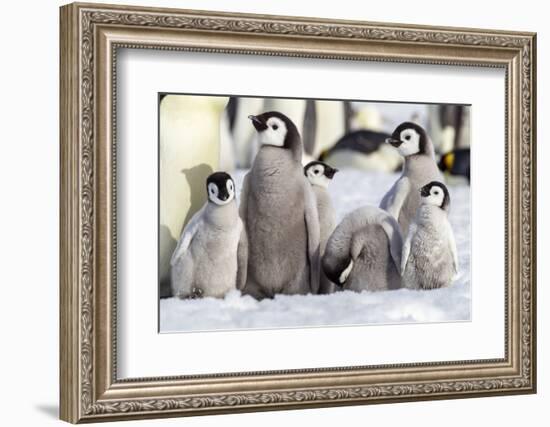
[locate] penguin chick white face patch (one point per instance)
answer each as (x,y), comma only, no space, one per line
(316,176)
(275,133)
(436,196)
(410,142)
(224,196)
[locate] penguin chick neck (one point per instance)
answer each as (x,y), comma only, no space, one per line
(427,214)
(420,164)
(274,160)
(222,216)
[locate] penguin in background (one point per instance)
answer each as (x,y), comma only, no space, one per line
(365,150)
(226,159)
(364,251)
(242,134)
(279,211)
(319,175)
(456,163)
(403,198)
(363,146)
(449,126)
(211,256)
(324,123)
(429,258)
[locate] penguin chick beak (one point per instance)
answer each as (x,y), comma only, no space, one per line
(394,142)
(258,124)
(425,191)
(254,118)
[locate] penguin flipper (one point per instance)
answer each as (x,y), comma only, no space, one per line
(393,231)
(242,259)
(452,247)
(407,248)
(338,252)
(187,235)
(243,202)
(182,278)
(313,230)
(394,199)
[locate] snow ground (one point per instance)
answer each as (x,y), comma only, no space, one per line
(350,189)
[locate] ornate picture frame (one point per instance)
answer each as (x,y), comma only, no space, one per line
(90,37)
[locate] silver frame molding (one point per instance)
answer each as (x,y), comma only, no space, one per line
(90,37)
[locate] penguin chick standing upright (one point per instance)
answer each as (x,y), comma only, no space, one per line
(280,214)
(420,168)
(429,259)
(211,256)
(319,175)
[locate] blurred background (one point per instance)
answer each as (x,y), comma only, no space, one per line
(342,133)
(202,134)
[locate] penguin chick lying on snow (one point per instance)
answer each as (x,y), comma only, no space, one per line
(364,251)
(420,168)
(319,175)
(211,256)
(429,259)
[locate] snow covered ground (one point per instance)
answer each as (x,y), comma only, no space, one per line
(350,189)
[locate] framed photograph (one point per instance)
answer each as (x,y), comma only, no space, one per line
(267,212)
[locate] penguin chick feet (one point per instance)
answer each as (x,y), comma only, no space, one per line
(345,274)
(196,292)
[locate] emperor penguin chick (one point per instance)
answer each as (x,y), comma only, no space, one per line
(211,256)
(280,214)
(364,251)
(429,259)
(319,175)
(420,168)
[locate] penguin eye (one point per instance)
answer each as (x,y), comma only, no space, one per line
(274,127)
(407,137)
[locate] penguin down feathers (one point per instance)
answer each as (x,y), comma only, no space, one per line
(371,239)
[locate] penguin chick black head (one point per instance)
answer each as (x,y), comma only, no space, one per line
(409,139)
(220,188)
(319,173)
(276,129)
(337,270)
(436,193)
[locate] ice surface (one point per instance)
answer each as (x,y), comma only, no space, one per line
(349,190)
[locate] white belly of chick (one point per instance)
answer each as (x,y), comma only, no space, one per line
(214,253)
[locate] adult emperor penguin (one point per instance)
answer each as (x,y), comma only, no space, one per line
(429,259)
(319,175)
(280,214)
(211,256)
(456,164)
(419,168)
(364,251)
(363,149)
